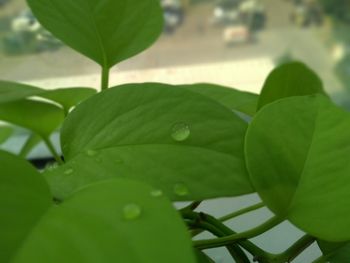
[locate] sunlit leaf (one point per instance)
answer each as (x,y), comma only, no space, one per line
(296,152)
(290,79)
(181,142)
(12,91)
(106,31)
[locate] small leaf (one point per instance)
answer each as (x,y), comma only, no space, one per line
(112,221)
(68,97)
(40,117)
(290,79)
(24,197)
(12,91)
(160,134)
(106,31)
(5,133)
(335,252)
(296,152)
(242,101)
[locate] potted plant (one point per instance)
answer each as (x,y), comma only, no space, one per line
(132,150)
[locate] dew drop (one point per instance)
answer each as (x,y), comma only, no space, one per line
(180,132)
(131,211)
(181,189)
(156,193)
(68,171)
(91,153)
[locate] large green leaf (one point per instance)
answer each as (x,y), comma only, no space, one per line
(335,252)
(24,197)
(106,31)
(287,80)
(5,133)
(242,101)
(181,142)
(40,117)
(12,91)
(296,152)
(68,97)
(112,221)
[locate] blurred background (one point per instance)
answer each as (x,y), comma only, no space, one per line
(230,42)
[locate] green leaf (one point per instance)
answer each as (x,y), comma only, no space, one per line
(112,221)
(296,152)
(290,79)
(68,97)
(5,133)
(40,117)
(335,252)
(181,142)
(242,101)
(24,197)
(32,141)
(106,31)
(12,91)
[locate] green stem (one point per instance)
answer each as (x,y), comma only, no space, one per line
(241,212)
(234,238)
(192,206)
(105,78)
(295,250)
(52,150)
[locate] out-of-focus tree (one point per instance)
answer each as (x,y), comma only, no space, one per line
(339,9)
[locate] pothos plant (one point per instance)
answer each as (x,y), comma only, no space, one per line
(130,151)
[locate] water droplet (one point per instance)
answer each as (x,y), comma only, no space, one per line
(180,132)
(131,211)
(68,171)
(156,193)
(181,189)
(91,153)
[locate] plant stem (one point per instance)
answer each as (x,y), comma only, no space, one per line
(52,150)
(192,206)
(234,238)
(295,250)
(105,78)
(241,212)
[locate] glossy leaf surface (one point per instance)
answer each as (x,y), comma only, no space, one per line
(40,117)
(156,133)
(24,197)
(290,79)
(242,101)
(106,31)
(117,220)
(295,152)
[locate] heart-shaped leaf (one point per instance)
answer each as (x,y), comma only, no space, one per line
(290,79)
(41,117)
(24,197)
(106,31)
(181,142)
(112,221)
(242,101)
(296,152)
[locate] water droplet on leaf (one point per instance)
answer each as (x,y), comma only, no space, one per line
(180,132)
(181,189)
(91,153)
(68,171)
(156,193)
(131,211)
